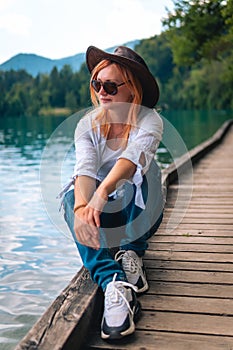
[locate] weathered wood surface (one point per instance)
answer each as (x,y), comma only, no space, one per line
(190,301)
(189,265)
(65,323)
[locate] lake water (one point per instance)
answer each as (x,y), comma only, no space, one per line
(38,257)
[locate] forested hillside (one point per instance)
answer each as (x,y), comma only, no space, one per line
(192,60)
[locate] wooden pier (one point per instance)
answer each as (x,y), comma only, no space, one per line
(189,305)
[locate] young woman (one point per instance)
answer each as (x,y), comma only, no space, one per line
(117,198)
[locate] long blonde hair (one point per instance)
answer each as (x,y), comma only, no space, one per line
(133,85)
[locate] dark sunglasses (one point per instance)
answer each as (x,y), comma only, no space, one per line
(109,86)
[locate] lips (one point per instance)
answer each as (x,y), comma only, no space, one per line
(105,100)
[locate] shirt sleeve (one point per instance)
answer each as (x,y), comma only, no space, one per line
(144,141)
(85,149)
(141,149)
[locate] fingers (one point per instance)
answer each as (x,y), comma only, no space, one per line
(86,230)
(96,216)
(85,237)
(93,219)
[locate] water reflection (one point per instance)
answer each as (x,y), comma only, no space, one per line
(36,260)
(196,126)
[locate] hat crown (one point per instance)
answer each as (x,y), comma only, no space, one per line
(126,52)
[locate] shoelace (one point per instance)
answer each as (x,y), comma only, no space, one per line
(130,264)
(113,296)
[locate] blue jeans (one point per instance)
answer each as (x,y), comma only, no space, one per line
(123,225)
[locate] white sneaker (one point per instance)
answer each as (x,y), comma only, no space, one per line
(134,269)
(121,310)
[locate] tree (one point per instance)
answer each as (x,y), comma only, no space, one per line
(157,52)
(197,30)
(70,100)
(83,78)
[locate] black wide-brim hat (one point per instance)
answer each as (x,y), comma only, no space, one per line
(130,59)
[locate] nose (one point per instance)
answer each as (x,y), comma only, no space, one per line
(102,91)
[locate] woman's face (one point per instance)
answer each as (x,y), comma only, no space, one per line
(111,73)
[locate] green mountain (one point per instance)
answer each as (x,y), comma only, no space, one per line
(35,64)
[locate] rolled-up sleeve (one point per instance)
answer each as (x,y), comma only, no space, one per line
(141,149)
(85,150)
(145,139)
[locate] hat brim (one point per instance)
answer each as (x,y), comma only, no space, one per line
(149,85)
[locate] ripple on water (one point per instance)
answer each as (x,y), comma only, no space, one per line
(36,260)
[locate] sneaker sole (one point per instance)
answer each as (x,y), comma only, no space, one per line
(130,330)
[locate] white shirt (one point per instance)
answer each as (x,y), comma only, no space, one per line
(95,159)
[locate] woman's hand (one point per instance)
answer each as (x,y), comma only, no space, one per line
(87,222)
(86,232)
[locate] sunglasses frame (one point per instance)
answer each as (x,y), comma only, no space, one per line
(105,86)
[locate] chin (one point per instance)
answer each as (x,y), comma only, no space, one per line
(106,105)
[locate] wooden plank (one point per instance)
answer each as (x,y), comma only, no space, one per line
(195,305)
(183,206)
(185,214)
(189,207)
(194,205)
(190,276)
(185,323)
(192,247)
(186,199)
(189,192)
(196,226)
(208,232)
(200,187)
(191,289)
(151,340)
(188,265)
(208,180)
(204,210)
(202,197)
(206,195)
(56,329)
(189,239)
(190,256)
(201,220)
(208,214)
(208,199)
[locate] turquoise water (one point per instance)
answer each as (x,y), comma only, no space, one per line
(37,260)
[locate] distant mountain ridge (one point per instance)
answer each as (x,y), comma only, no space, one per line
(35,64)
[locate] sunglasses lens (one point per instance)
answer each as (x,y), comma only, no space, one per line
(110,88)
(96,85)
